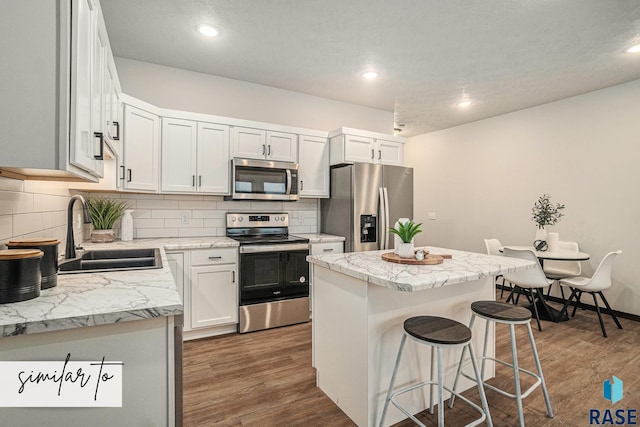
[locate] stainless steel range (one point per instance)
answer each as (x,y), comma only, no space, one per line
(273,271)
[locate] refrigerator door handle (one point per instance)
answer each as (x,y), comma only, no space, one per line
(383,222)
(386,218)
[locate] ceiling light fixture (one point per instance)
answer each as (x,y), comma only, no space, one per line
(370,75)
(634,49)
(207,30)
(464,102)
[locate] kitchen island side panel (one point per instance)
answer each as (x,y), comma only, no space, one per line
(357,331)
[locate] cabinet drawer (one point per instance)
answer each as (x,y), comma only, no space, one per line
(327,248)
(214,256)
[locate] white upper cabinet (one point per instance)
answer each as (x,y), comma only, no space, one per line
(357,146)
(259,144)
(314,166)
(195,157)
(179,152)
(112,106)
(82,141)
(389,152)
(141,149)
(213,158)
(282,147)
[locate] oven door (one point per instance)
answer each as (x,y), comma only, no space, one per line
(264,180)
(271,274)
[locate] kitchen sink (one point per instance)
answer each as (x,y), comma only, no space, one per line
(112,260)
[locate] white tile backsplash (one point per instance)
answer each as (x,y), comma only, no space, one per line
(39,209)
(36,209)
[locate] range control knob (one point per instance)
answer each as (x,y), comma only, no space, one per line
(239,219)
(277,218)
(233,219)
(282,218)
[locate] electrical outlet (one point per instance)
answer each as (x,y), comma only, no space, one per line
(185,218)
(431,215)
(300,217)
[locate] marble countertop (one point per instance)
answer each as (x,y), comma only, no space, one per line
(321,237)
(462,267)
(90,299)
(185,243)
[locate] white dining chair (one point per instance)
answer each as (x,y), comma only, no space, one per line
(557,270)
(532,280)
(493,248)
(600,281)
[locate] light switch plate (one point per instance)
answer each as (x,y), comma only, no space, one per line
(300,217)
(184,218)
(431,215)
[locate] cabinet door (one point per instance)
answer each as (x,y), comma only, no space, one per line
(213,158)
(82,141)
(358,149)
(314,166)
(282,147)
(177,266)
(179,152)
(214,296)
(112,105)
(141,149)
(97,94)
(389,152)
(249,143)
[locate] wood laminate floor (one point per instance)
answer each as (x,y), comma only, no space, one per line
(265,378)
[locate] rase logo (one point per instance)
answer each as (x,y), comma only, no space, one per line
(612,390)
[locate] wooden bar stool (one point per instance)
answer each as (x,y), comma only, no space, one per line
(438,333)
(499,312)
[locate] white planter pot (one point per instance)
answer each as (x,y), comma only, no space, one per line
(405,250)
(541,234)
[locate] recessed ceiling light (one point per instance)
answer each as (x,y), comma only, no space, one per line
(207,30)
(370,75)
(634,49)
(464,103)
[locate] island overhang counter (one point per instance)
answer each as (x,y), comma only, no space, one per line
(359,305)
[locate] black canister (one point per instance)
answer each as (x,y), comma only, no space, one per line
(49,262)
(19,274)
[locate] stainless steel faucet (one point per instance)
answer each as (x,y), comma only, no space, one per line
(70,251)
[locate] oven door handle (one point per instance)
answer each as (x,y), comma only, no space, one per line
(252,249)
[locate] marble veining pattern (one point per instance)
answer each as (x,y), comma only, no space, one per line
(463,267)
(90,299)
(179,243)
(321,237)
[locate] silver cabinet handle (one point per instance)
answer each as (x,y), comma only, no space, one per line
(328,249)
(301,185)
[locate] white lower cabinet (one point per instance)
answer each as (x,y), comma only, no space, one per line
(322,249)
(208,278)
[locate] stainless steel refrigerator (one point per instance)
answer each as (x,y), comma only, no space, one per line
(365,201)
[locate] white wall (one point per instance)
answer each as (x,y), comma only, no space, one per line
(179,89)
(481,179)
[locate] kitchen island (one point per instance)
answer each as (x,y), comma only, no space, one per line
(359,305)
(129,316)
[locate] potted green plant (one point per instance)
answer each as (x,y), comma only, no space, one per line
(104,213)
(406,231)
(545,213)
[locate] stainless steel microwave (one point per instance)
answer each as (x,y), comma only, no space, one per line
(264,180)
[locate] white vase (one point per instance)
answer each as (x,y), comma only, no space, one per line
(396,238)
(541,234)
(405,250)
(553,240)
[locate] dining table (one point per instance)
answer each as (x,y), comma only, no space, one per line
(557,255)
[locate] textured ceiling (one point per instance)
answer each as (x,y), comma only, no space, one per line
(505,55)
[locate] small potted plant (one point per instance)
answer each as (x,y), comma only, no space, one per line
(104,213)
(545,213)
(406,231)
